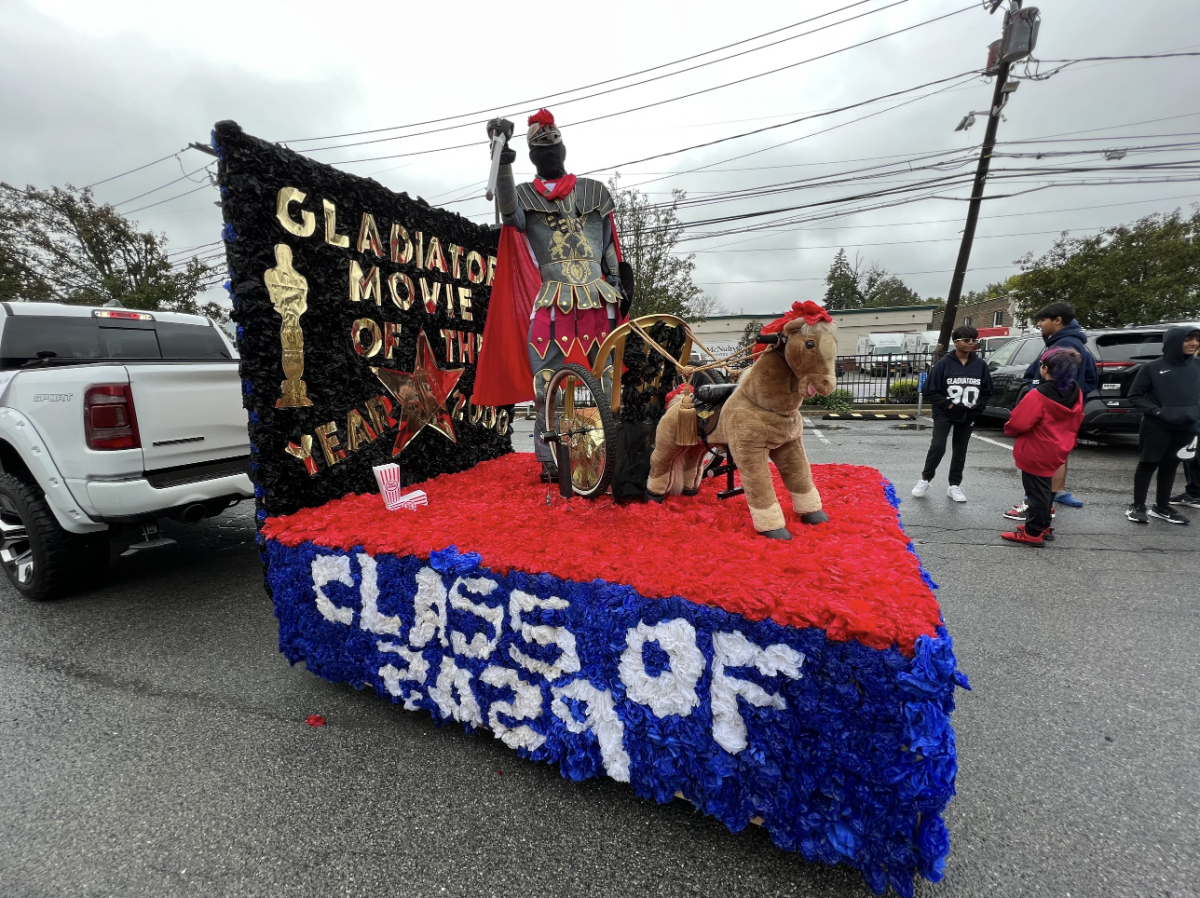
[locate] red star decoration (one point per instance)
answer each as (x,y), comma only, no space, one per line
(421,395)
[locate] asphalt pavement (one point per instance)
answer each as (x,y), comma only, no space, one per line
(153,740)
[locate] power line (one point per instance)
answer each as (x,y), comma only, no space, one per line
(775,127)
(788,230)
(167,200)
(705,91)
(548,97)
(185,176)
(139,168)
(822,277)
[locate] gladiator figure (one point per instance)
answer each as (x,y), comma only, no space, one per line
(566,225)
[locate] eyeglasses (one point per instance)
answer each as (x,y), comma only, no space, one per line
(964,340)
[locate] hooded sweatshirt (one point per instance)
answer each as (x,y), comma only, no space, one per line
(956,390)
(1167,390)
(1045,423)
(1069,336)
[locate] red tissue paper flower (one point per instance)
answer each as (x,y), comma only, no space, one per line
(315,720)
(542,117)
(854,577)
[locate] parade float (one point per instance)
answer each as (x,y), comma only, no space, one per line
(802,684)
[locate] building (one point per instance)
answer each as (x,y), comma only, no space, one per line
(1000,311)
(722,334)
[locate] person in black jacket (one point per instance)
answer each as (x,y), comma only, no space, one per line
(1167,390)
(1060,330)
(958,388)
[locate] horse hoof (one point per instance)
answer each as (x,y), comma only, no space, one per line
(781,533)
(814,517)
(692,492)
(655,497)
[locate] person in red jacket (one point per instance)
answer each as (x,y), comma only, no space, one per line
(1045,423)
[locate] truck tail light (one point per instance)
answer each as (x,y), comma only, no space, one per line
(109,421)
(1114,366)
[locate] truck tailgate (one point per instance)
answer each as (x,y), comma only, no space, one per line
(188,412)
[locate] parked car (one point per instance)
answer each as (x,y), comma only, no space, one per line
(988,345)
(110,418)
(1119,353)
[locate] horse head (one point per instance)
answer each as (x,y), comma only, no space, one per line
(811,353)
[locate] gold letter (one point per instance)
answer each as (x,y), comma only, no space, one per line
(365,287)
(399,255)
(303,452)
(396,279)
(356,329)
(327,434)
(491,270)
(368,236)
(308,221)
(359,430)
(433,256)
(448,336)
(391,337)
(431,301)
(380,410)
(464,303)
(475,268)
(455,253)
(332,237)
(466,346)
(419,253)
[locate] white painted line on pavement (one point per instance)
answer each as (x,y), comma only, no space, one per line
(820,436)
(993,442)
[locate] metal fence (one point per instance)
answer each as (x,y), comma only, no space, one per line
(882,378)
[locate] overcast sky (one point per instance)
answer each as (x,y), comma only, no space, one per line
(92,89)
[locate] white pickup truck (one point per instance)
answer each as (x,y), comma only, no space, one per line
(110,417)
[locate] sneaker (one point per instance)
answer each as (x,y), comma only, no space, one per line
(1068,500)
(1166,513)
(1017,512)
(1137,514)
(1020,536)
(955,492)
(921,488)
(1048,535)
(1185,499)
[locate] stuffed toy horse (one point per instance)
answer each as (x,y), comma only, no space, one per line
(760,420)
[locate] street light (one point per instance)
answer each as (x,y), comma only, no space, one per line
(967,122)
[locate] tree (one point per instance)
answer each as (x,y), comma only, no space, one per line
(842,283)
(750,332)
(60,245)
(1130,274)
(851,287)
(881,289)
(648,235)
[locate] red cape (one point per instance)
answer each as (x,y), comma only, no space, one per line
(503,376)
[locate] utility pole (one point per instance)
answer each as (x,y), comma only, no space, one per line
(985,160)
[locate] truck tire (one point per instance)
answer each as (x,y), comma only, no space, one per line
(40,558)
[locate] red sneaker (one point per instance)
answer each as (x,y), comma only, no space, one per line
(1020,536)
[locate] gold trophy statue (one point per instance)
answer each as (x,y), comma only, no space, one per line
(289,295)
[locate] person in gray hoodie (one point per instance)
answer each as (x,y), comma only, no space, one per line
(1167,390)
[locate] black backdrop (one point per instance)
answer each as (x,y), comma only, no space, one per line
(338,379)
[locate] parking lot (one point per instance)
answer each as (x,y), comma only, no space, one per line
(153,741)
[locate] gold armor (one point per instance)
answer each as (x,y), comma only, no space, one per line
(567,238)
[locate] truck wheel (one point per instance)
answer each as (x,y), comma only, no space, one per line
(41,560)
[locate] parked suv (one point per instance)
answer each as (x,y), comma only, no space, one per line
(109,418)
(1119,353)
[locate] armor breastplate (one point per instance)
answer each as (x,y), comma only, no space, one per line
(567,238)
